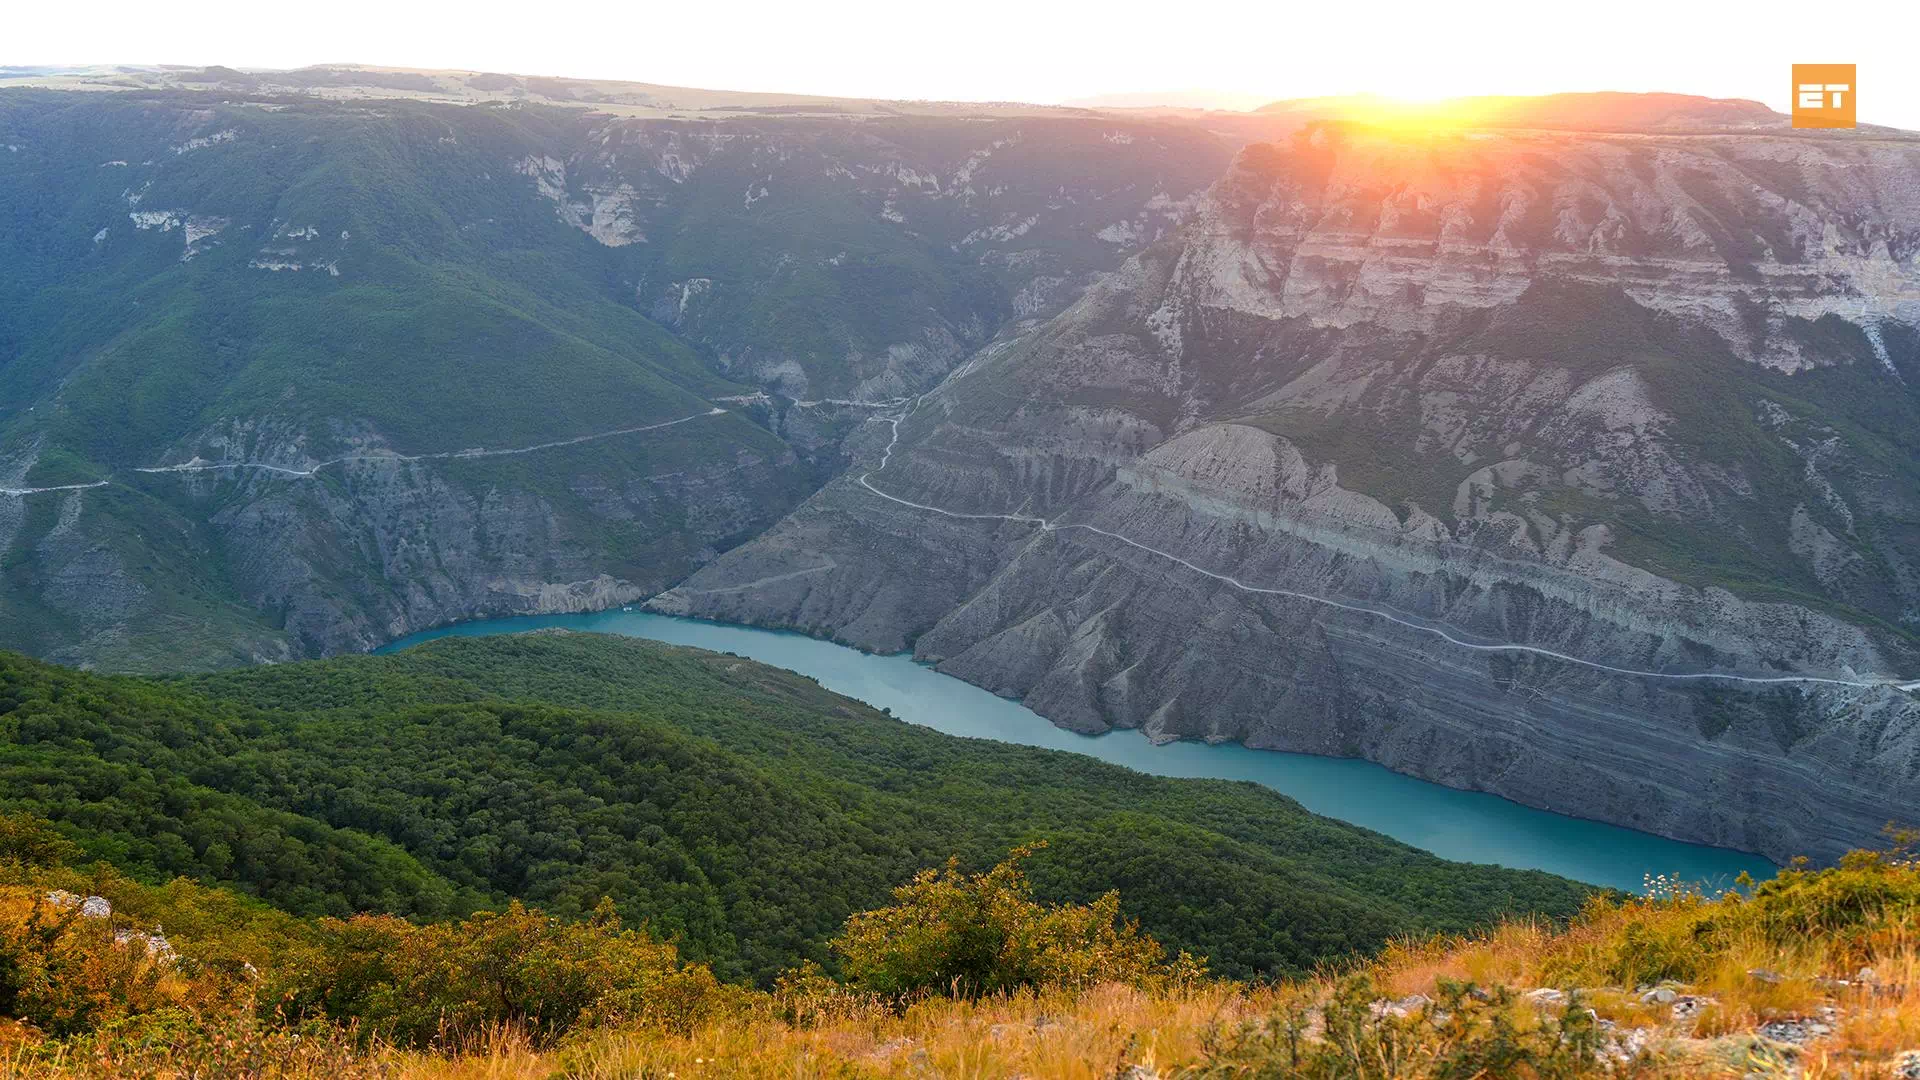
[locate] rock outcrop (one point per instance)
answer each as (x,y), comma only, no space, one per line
(1467,455)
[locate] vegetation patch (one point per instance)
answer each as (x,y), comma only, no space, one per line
(962,974)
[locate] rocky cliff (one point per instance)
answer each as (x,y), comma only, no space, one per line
(286,376)
(1575,467)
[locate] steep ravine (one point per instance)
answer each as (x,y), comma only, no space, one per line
(1527,453)
(1093,633)
(1636,402)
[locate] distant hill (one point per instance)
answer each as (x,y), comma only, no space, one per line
(1223,100)
(1606,111)
(369,82)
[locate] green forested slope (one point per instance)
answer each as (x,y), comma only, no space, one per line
(429,296)
(742,810)
(197,279)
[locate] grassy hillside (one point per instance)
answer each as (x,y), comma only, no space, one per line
(1811,974)
(740,811)
(426,297)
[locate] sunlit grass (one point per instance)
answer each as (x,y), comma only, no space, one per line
(1811,975)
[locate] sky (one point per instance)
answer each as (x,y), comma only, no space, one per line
(1033,50)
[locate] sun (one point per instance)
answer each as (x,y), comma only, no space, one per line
(1414,116)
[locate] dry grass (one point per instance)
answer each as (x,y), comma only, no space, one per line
(1049,1036)
(1097,1035)
(1045,1036)
(1733,965)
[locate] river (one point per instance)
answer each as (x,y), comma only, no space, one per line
(1469,826)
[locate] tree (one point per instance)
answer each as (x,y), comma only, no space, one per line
(32,840)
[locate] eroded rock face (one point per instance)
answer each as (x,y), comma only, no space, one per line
(1020,212)
(1736,233)
(340,556)
(395,547)
(1306,476)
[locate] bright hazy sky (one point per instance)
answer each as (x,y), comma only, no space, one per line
(1032,50)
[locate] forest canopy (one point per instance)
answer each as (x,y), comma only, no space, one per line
(736,811)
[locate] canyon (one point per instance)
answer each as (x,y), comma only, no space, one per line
(1568,467)
(1567,455)
(262,364)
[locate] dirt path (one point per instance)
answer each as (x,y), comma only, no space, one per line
(56,487)
(445,455)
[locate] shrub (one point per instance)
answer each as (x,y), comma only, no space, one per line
(807,995)
(1684,936)
(63,973)
(446,983)
(1466,1033)
(31,840)
(1869,890)
(971,934)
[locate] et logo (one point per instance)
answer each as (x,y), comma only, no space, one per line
(1823,95)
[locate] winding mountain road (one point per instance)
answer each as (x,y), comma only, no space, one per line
(57,487)
(197,465)
(1045,525)
(1054,525)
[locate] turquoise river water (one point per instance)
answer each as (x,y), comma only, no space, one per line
(1469,826)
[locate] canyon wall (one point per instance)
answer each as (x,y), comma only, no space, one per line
(1469,454)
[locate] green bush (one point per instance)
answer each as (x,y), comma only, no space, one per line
(446,983)
(1853,910)
(33,841)
(971,934)
(1869,890)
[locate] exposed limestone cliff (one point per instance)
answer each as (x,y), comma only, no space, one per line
(750,217)
(1737,233)
(1450,454)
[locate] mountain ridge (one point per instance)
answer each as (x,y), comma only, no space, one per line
(1286,397)
(1599,408)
